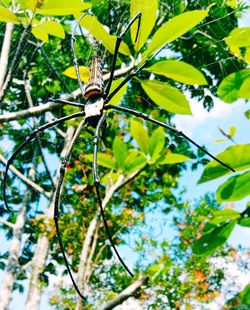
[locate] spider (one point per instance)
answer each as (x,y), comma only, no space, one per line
(93,113)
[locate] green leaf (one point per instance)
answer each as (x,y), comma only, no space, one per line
(53,28)
(62,7)
(229,88)
(156,144)
(71,72)
(247,114)
(140,134)
(166,96)
(173,158)
(118,96)
(97,30)
(235,188)
(103,160)
(223,216)
(178,71)
(209,242)
(120,152)
(134,162)
(8,17)
(236,156)
(173,29)
(245,221)
(245,295)
(148,9)
(239,37)
(245,89)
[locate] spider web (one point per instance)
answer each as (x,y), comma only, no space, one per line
(53,139)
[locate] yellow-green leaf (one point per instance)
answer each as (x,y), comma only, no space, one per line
(103,160)
(156,145)
(229,88)
(247,114)
(62,7)
(40,34)
(233,130)
(148,9)
(235,188)
(84,73)
(166,96)
(173,158)
(134,162)
(53,28)
(118,96)
(173,29)
(245,89)
(178,71)
(236,156)
(8,17)
(97,30)
(120,152)
(140,134)
(239,37)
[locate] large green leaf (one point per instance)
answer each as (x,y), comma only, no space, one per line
(239,37)
(223,216)
(120,152)
(173,158)
(166,96)
(140,134)
(178,71)
(245,295)
(229,88)
(148,9)
(97,30)
(53,28)
(103,160)
(8,17)
(209,242)
(134,162)
(62,7)
(156,144)
(235,188)
(173,29)
(236,156)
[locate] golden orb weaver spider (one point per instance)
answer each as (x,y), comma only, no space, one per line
(97,102)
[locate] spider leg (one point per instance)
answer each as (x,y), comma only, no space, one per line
(75,104)
(75,60)
(177,132)
(117,45)
(57,201)
(29,139)
(97,187)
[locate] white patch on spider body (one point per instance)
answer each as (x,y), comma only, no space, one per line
(94,109)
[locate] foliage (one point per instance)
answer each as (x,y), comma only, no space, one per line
(148,160)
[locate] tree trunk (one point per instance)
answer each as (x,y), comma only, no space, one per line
(42,247)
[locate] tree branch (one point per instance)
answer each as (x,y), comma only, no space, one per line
(6,223)
(26,180)
(130,290)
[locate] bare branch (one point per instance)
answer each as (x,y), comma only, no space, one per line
(26,180)
(6,223)
(130,290)
(5,52)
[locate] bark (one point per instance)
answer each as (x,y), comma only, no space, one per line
(130,290)
(12,263)
(4,59)
(42,247)
(83,267)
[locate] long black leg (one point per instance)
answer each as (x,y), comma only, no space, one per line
(29,138)
(57,201)
(117,45)
(97,187)
(75,56)
(75,104)
(177,132)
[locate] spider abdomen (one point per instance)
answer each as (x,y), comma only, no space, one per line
(94,110)
(95,84)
